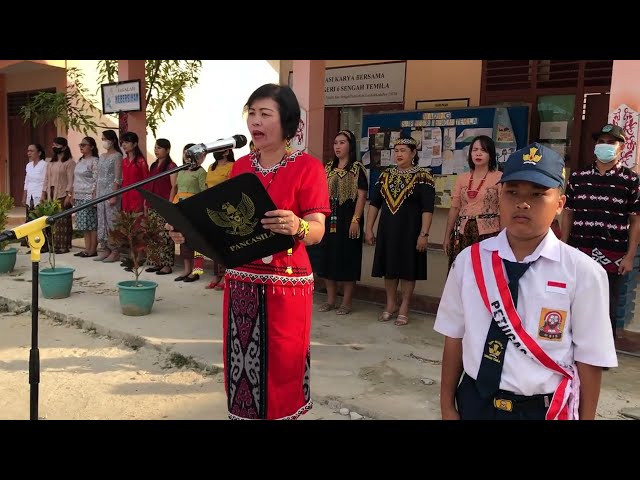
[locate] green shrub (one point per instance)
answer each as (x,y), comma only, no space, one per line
(6,204)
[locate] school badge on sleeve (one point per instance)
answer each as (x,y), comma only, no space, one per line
(551,324)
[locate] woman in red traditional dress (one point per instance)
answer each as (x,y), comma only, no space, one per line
(134,169)
(162,187)
(268,302)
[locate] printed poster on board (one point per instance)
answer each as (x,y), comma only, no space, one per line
(503,135)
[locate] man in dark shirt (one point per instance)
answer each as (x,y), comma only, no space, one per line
(600,216)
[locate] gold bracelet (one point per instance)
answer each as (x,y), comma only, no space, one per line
(355,219)
(303,229)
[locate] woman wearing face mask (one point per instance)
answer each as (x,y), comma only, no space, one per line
(108,180)
(218,173)
(58,184)
(601,212)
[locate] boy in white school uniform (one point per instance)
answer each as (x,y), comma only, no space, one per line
(532,348)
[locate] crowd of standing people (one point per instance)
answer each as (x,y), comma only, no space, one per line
(74,183)
(498,237)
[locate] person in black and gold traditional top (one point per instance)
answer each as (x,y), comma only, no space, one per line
(339,256)
(405,193)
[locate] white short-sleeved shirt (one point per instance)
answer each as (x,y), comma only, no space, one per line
(34,180)
(586,336)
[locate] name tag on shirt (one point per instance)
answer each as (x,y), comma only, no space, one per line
(557,287)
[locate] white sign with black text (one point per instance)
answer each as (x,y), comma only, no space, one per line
(365,84)
(121,97)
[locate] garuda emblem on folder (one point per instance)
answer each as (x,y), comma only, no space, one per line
(239,218)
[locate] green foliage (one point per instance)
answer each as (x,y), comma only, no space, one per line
(47,208)
(6,204)
(140,234)
(75,108)
(166,82)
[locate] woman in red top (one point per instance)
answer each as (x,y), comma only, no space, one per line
(268,302)
(134,169)
(162,187)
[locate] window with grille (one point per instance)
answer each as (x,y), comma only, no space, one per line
(504,75)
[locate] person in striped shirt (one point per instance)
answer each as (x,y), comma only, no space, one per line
(601,213)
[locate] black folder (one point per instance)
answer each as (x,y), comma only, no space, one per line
(223,222)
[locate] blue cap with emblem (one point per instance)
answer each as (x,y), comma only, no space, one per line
(535,163)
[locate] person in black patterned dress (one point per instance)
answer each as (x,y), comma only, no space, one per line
(405,196)
(339,257)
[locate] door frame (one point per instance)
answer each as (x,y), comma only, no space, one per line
(42,134)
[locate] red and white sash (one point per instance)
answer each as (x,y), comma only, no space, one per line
(494,290)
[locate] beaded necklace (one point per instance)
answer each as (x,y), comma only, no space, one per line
(474,193)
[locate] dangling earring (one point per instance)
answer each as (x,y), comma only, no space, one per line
(287,146)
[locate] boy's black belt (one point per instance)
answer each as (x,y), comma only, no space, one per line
(510,402)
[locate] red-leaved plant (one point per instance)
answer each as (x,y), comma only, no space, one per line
(140,234)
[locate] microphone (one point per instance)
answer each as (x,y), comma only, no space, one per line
(237,141)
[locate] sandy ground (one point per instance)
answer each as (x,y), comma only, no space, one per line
(85,376)
(378,370)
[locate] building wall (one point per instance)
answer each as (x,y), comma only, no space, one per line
(89,69)
(212,109)
(28,77)
(425,80)
(45,78)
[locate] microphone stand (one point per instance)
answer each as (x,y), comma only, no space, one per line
(33,230)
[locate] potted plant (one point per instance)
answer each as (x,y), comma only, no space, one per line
(55,282)
(7,255)
(140,234)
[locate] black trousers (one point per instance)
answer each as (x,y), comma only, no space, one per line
(615,284)
(471,406)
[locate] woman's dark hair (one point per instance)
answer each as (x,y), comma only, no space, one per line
(488,146)
(187,147)
(220,155)
(113,138)
(133,138)
(288,106)
(166,144)
(352,148)
(66,153)
(94,146)
(40,150)
(415,159)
